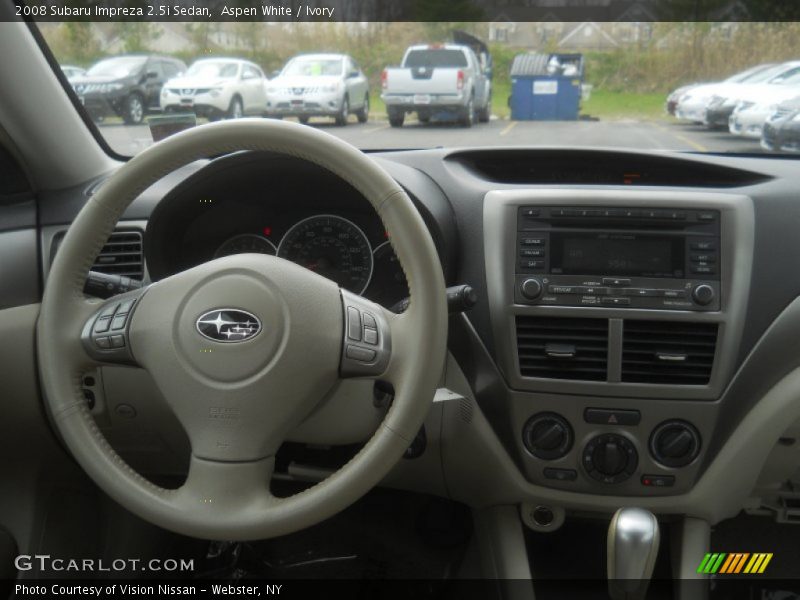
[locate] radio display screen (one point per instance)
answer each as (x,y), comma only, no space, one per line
(617,254)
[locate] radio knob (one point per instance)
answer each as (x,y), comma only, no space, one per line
(531,288)
(703,294)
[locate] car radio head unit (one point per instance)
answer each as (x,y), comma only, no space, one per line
(618,257)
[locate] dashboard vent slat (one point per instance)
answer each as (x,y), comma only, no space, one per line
(587,339)
(668,352)
(122,254)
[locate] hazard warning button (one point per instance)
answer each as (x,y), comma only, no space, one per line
(607,416)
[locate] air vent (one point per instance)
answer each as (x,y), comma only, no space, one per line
(122,255)
(668,352)
(563,348)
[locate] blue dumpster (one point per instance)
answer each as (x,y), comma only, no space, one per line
(546,87)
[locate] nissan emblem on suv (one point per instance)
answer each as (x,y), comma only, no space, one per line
(228,325)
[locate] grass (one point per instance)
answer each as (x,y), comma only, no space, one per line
(603,105)
(609,106)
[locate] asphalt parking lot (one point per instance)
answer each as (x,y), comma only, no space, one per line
(642,135)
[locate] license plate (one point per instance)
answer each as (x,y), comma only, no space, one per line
(422,99)
(187,101)
(297,103)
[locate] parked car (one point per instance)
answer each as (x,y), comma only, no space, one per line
(781,131)
(692,104)
(674,97)
(777,88)
(671,104)
(71,72)
(217,87)
(126,86)
(749,117)
(438,79)
(319,85)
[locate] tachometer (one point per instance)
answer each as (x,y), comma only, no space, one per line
(333,247)
(388,285)
(244,243)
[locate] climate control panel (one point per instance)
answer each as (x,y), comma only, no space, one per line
(611,451)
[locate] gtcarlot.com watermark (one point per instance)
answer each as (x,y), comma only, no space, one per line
(47,563)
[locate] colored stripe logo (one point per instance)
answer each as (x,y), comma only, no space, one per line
(734,563)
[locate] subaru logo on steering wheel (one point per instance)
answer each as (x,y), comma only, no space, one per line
(228,325)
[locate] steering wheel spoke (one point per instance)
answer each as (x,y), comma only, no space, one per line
(216,487)
(106,332)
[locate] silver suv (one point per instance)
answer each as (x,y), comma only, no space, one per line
(319,85)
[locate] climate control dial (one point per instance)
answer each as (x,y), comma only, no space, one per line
(610,458)
(675,443)
(547,436)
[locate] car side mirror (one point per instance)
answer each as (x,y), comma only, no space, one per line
(353,74)
(151,75)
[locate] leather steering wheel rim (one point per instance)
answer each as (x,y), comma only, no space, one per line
(226,496)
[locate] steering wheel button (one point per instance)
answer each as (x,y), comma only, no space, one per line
(360,354)
(102,325)
(353,324)
(109,310)
(103,342)
(117,341)
(369,321)
(125,307)
(118,322)
(370,335)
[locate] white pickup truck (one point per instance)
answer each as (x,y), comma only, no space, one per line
(443,80)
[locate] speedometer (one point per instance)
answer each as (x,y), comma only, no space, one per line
(333,247)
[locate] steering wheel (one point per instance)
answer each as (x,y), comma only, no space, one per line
(242,348)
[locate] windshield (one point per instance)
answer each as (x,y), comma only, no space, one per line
(748,75)
(436,58)
(313,67)
(791,77)
(402,85)
(117,67)
(213,69)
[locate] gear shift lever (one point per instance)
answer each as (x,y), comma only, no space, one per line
(632,547)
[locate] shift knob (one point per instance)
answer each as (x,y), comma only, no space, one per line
(633,538)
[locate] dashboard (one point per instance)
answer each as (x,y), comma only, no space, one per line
(627,328)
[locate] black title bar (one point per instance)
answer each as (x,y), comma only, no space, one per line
(402,10)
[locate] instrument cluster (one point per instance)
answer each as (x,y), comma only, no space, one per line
(336,248)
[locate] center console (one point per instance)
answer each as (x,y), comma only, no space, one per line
(616,316)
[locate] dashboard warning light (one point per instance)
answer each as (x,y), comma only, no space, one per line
(267,231)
